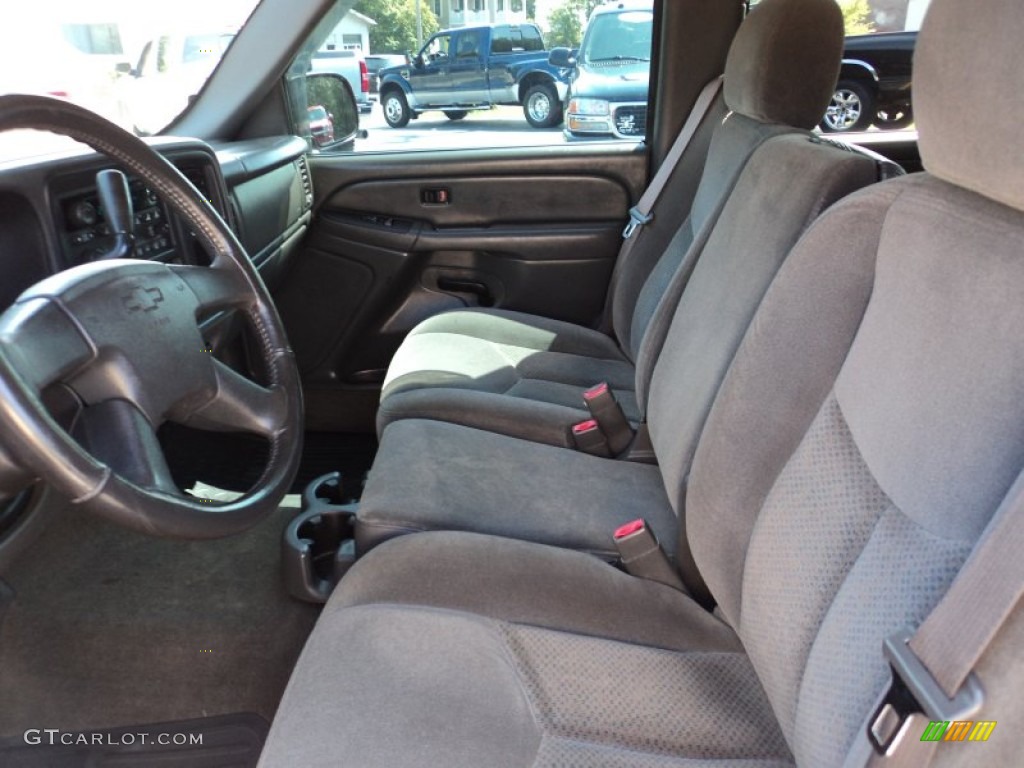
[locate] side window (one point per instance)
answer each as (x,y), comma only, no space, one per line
(470,44)
(532,40)
(875,84)
(501,40)
(510,95)
(437,49)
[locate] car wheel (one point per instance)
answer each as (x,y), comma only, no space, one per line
(894,119)
(541,106)
(396,109)
(852,109)
(455,114)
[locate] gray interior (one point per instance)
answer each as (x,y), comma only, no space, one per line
(863,436)
(514,379)
(828,369)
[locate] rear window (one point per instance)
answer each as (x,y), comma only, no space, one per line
(532,40)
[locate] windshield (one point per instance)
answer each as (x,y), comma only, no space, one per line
(136,62)
(622,36)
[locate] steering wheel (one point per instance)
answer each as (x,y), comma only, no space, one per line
(122,337)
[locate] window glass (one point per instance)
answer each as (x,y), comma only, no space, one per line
(492,85)
(136,63)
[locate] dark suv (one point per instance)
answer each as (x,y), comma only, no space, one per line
(609,82)
(874,84)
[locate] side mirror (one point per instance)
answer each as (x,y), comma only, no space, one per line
(418,61)
(124,68)
(332,93)
(562,58)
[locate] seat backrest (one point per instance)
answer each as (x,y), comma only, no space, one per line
(873,417)
(779,76)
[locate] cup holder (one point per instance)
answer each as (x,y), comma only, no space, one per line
(318,545)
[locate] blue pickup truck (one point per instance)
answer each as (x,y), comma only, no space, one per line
(480,67)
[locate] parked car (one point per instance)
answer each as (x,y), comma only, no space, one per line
(874,84)
(378,61)
(172,67)
(321,125)
(610,73)
(472,68)
(351,65)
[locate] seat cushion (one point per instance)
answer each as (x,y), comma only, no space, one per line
(390,685)
(504,371)
(458,649)
(431,475)
(532,584)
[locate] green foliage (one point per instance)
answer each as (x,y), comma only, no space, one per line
(566,23)
(395,31)
(857,17)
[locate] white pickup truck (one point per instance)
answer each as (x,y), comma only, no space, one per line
(351,65)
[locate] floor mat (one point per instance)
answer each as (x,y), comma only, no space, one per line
(110,627)
(226,741)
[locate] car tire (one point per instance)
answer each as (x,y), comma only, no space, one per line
(396,109)
(542,107)
(455,114)
(852,108)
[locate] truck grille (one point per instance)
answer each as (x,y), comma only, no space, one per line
(630,120)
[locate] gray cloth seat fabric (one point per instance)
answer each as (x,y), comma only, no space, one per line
(458,478)
(486,369)
(462,478)
(864,435)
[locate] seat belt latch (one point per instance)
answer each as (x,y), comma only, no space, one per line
(588,437)
(914,691)
(607,412)
(642,556)
(636,221)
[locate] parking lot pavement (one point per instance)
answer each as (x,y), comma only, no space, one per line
(499,127)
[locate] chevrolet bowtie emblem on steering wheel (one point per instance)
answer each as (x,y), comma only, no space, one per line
(142,299)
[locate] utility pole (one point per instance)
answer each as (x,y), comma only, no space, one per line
(419,24)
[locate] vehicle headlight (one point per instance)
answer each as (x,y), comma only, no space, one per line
(588,107)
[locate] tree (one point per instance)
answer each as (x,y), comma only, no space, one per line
(395,31)
(857,17)
(566,22)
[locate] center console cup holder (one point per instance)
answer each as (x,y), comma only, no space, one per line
(318,545)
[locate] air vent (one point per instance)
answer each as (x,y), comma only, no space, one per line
(307,182)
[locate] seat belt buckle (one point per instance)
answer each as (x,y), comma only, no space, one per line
(588,437)
(636,220)
(642,556)
(914,691)
(606,411)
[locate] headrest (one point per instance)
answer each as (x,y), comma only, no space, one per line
(967,106)
(784,62)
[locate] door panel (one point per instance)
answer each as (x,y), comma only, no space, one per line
(514,229)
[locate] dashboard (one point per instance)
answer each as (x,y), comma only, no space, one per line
(52,218)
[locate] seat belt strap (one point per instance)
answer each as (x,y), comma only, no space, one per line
(642,213)
(933,667)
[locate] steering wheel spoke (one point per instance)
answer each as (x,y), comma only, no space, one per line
(215,288)
(41,343)
(241,405)
(119,435)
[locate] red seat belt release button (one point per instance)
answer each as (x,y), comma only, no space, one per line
(607,412)
(588,437)
(642,556)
